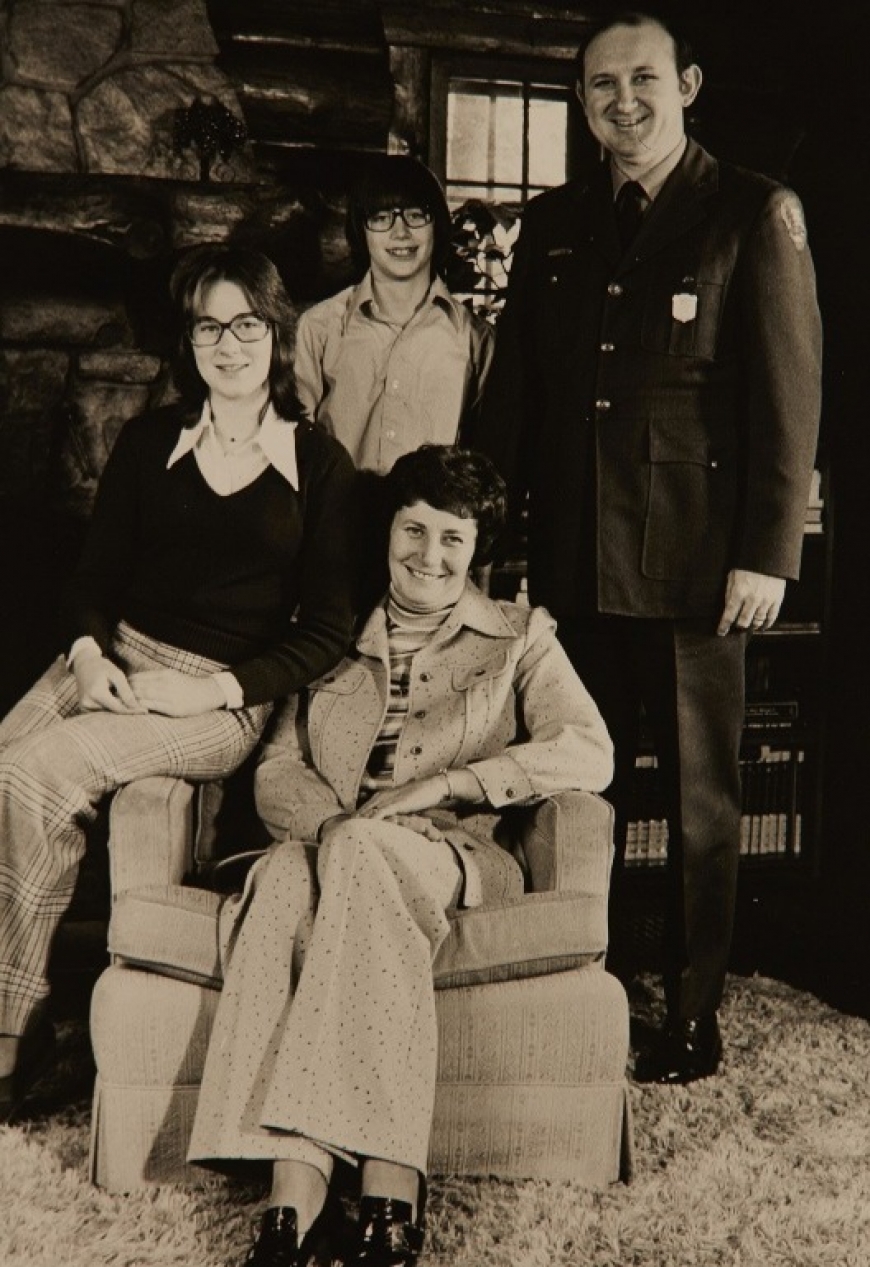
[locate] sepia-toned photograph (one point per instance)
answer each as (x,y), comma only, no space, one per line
(433,677)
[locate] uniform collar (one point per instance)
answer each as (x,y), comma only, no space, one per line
(362,300)
(473,611)
(654,179)
(276,438)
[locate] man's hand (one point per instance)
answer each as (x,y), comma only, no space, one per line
(752,601)
(176,694)
(102,686)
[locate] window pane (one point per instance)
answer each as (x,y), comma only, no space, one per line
(467,136)
(484,131)
(548,125)
(458,194)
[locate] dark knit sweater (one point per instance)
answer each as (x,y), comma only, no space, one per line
(259,580)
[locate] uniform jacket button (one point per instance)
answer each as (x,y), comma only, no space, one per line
(510,793)
(614,289)
(416,750)
(425,677)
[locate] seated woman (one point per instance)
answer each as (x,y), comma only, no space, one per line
(395,361)
(450,707)
(212,582)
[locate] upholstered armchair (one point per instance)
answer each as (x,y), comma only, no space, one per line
(533,1031)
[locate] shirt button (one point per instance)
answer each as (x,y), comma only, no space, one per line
(416,750)
(509,792)
(614,289)
(608,347)
(395,384)
(391,435)
(602,406)
(421,712)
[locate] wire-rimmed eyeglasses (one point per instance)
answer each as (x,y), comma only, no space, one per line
(382,221)
(207,332)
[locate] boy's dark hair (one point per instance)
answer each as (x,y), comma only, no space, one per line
(395,180)
(683,56)
(458,481)
(256,275)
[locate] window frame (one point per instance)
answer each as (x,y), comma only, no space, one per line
(545,71)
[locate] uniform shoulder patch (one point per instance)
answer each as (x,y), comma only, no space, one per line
(793,217)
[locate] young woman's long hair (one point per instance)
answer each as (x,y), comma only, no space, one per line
(259,279)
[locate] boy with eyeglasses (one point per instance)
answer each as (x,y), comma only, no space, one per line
(394,361)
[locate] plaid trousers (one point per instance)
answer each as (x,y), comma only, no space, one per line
(56,766)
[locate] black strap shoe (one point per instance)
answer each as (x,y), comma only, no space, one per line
(388,1234)
(277,1243)
(688,1048)
(36,1055)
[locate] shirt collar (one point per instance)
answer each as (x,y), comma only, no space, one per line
(474,610)
(652,181)
(276,438)
(363,300)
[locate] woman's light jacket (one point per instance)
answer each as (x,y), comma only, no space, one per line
(493,691)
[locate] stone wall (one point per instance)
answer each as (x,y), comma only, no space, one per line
(92,87)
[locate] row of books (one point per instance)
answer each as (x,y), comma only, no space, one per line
(771,821)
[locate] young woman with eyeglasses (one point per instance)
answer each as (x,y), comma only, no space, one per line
(213,581)
(395,361)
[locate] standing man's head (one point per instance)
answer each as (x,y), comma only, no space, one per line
(398,221)
(635,78)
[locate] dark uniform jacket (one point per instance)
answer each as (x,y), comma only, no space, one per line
(677,385)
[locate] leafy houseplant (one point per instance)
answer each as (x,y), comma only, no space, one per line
(481,251)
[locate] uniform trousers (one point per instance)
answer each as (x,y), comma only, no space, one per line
(691,685)
(56,765)
(325,1040)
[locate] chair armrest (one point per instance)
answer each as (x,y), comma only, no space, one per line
(567,842)
(151,833)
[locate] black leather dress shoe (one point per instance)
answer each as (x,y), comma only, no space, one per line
(688,1048)
(35,1057)
(277,1244)
(388,1234)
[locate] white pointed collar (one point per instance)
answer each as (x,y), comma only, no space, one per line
(276,438)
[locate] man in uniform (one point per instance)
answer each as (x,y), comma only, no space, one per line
(655,392)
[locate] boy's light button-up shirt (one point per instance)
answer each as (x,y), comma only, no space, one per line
(384,389)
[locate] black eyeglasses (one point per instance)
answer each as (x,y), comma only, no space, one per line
(382,221)
(247,327)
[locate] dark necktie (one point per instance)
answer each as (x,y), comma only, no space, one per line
(630,207)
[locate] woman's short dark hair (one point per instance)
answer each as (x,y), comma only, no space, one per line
(459,481)
(683,56)
(256,275)
(395,180)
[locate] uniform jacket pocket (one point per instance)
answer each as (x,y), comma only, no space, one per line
(692,500)
(672,296)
